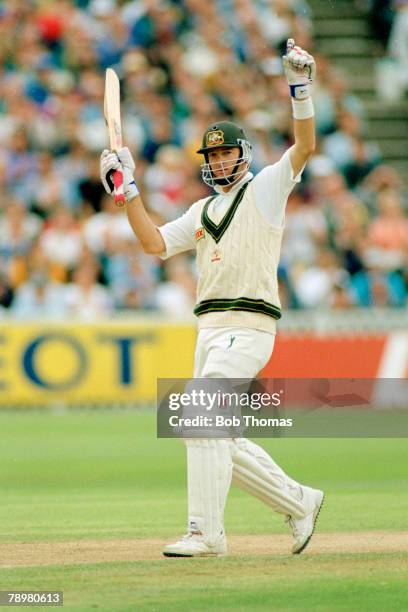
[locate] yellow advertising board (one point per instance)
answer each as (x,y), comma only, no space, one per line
(78,363)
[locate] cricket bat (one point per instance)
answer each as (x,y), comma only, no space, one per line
(112,116)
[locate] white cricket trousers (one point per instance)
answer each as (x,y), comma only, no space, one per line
(233,353)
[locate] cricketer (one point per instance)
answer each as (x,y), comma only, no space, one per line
(237,235)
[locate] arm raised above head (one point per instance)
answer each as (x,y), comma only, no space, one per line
(300,70)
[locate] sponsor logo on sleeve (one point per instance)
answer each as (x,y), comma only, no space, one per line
(199,234)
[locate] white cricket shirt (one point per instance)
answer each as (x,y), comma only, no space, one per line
(237,236)
(271,187)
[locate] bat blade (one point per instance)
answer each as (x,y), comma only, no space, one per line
(111,107)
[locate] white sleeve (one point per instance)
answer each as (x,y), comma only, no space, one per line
(178,235)
(272,186)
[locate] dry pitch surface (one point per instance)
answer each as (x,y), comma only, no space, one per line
(100,551)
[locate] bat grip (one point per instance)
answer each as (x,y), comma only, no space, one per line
(117,177)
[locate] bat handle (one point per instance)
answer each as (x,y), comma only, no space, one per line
(119,188)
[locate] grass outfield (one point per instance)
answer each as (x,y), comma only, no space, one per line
(103,476)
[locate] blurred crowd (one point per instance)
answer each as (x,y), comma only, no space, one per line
(389,27)
(66,250)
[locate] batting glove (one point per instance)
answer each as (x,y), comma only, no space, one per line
(300,70)
(108,163)
(123,161)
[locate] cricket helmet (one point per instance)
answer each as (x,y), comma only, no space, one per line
(225,134)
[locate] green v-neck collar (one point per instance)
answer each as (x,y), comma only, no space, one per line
(217,231)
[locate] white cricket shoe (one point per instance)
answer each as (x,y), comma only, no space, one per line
(303,529)
(193,545)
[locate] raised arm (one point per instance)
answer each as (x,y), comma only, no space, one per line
(140,221)
(300,70)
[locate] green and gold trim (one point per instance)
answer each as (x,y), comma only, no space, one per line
(217,231)
(241,303)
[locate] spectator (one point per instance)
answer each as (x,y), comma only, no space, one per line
(175,297)
(102,231)
(40,298)
(48,188)
(166,182)
(306,232)
(319,284)
(85,297)
(385,253)
(332,94)
(6,292)
(381,16)
(345,146)
(181,64)
(61,242)
(398,43)
(360,164)
(387,236)
(90,187)
(130,274)
(383,177)
(18,231)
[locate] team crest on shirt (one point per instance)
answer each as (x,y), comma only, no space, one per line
(216,137)
(199,234)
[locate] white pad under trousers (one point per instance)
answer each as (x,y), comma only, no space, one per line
(209,471)
(226,354)
(256,472)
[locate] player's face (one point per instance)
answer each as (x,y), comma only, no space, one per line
(222,161)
